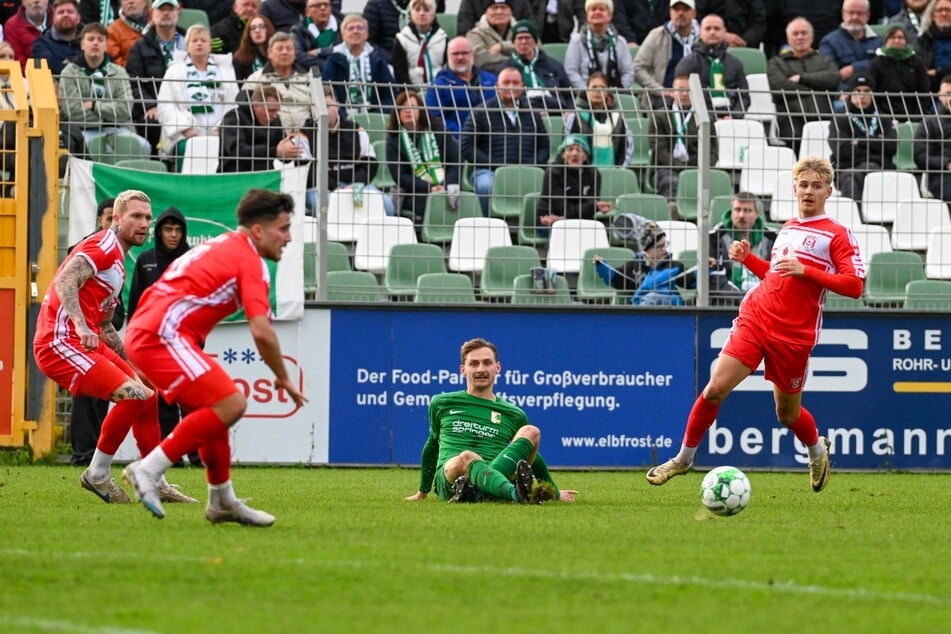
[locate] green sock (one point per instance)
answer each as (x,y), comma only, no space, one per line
(518,449)
(490,481)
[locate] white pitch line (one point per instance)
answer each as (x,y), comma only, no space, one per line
(52,625)
(779,587)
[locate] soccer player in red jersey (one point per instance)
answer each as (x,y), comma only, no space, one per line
(75,317)
(780,319)
(199,289)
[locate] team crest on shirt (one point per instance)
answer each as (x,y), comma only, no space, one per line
(496,418)
(809,242)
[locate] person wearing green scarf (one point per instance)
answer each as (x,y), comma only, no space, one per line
(901,80)
(741,222)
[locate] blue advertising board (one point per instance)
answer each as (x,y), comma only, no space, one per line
(607,389)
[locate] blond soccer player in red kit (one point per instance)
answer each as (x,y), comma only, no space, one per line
(780,319)
(165,336)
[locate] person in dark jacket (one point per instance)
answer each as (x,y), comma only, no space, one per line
(634,19)
(719,71)
(741,222)
(471,11)
(60,42)
(852,45)
(423,157)
(572,185)
(506,132)
(600,121)
(316,35)
(459,88)
(862,140)
(359,71)
(215,10)
(92,11)
(252,135)
(934,42)
(171,242)
(745,20)
(226,33)
(251,55)
(546,82)
(283,14)
(902,85)
(385,18)
(932,145)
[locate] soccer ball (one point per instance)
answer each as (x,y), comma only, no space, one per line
(725,491)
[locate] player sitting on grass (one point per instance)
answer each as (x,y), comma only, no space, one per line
(478,442)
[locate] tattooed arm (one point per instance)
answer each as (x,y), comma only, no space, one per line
(111,337)
(67,284)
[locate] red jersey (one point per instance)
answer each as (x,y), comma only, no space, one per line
(790,308)
(97,295)
(208,283)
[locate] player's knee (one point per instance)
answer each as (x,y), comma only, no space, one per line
(132,390)
(231,408)
(532,433)
(787,414)
(467,457)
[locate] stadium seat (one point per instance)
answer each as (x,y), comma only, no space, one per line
(763,166)
(905,157)
(938,255)
(872,239)
(719,205)
(556,132)
(783,205)
(928,295)
(112,148)
(201,155)
(188,17)
(529,232)
(834,302)
(628,103)
(650,206)
(376,237)
(762,108)
(344,219)
(352,286)
(915,219)
(884,191)
(844,209)
(337,257)
(641,159)
(407,262)
(590,286)
(145,165)
(815,140)
(472,238)
(502,266)
(734,137)
(887,276)
(688,203)
(753,59)
(681,236)
(384,177)
(556,50)
(374,123)
(523,291)
(570,239)
(511,184)
(445,288)
(616,181)
(449,23)
(439,218)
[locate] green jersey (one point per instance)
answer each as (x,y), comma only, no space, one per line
(458,422)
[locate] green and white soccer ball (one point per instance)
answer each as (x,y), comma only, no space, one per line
(725,491)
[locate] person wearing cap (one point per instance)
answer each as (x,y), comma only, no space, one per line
(931,147)
(492,36)
(720,73)
(148,60)
(471,11)
(546,82)
(801,79)
(862,140)
(598,46)
(598,119)
(419,51)
(127,29)
(852,45)
(662,49)
(901,81)
(60,42)
(571,185)
(460,87)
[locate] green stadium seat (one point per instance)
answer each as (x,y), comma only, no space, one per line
(445,288)
(352,286)
(720,184)
(407,262)
(889,273)
(188,17)
(928,295)
(145,165)
(374,123)
(617,181)
(511,184)
(650,206)
(384,177)
(753,59)
(529,232)
(439,218)
(523,293)
(590,287)
(449,23)
(502,266)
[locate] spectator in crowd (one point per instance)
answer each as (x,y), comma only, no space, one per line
(197,90)
(572,185)
(24,28)
(459,88)
(862,140)
(88,412)
(215,10)
(674,141)
(801,79)
(934,43)
(505,132)
(59,43)
(148,60)
(598,46)
(471,11)
(351,159)
(851,46)
(491,37)
(252,134)
(283,14)
(931,146)
(598,120)
(741,222)
(170,235)
(317,34)
(127,28)
(292,81)
(559,19)
(721,73)
(419,51)
(911,17)
(360,72)
(226,33)
(251,55)
(745,21)
(423,157)
(103,12)
(546,82)
(95,95)
(386,18)
(824,17)
(634,19)
(661,50)
(902,85)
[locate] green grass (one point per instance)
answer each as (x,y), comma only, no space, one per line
(870,554)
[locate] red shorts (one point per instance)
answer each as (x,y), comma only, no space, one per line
(786,364)
(68,364)
(179,369)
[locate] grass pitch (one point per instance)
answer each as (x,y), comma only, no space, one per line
(869,554)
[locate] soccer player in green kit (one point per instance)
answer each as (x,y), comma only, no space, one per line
(478,443)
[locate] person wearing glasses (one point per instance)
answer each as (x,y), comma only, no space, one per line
(251,55)
(227,32)
(316,35)
(459,88)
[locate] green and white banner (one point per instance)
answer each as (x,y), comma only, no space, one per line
(208,203)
